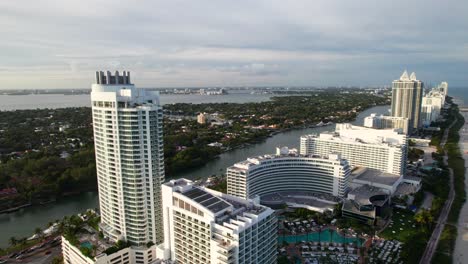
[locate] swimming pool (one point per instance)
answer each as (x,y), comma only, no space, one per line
(86,244)
(326,235)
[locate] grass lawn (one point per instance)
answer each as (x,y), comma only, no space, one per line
(402,226)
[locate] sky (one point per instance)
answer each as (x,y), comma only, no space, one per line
(60,44)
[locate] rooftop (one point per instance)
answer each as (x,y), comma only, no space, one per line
(348,133)
(364,195)
(226,208)
(209,201)
(375,176)
(292,153)
(109,79)
(349,206)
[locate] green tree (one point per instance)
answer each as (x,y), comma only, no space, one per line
(13,241)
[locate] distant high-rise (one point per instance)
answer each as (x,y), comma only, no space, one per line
(432,104)
(129,158)
(407,98)
(443,87)
(385,122)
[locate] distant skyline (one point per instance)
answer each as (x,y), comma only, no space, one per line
(60,44)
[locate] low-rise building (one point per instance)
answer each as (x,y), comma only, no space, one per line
(365,204)
(372,177)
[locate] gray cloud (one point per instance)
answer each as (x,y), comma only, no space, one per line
(51,43)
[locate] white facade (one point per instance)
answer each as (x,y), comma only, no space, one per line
(406,99)
(129,255)
(206,226)
(385,122)
(129,158)
(443,88)
(432,104)
(288,171)
(381,149)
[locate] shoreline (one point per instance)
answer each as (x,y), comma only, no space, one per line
(460,253)
(48,201)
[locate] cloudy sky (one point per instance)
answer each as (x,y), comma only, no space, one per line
(60,43)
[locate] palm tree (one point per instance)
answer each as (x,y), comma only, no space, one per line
(13,241)
(22,241)
(424,219)
(40,234)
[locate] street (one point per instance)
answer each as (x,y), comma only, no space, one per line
(434,240)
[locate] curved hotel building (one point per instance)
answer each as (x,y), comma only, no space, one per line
(381,149)
(288,171)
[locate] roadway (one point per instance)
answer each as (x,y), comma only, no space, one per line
(434,240)
(42,255)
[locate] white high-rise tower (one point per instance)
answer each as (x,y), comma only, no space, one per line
(128,137)
(407,98)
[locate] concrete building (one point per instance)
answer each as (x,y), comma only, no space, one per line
(386,122)
(129,158)
(288,171)
(406,99)
(130,169)
(388,182)
(381,149)
(201,118)
(365,204)
(443,88)
(130,255)
(206,226)
(432,104)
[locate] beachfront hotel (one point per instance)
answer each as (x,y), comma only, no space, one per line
(432,104)
(288,171)
(386,122)
(381,149)
(206,226)
(128,141)
(407,93)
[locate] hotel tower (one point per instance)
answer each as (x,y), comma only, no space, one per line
(128,137)
(407,93)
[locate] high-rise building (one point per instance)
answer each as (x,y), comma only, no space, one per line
(386,122)
(380,149)
(287,171)
(206,226)
(431,106)
(406,99)
(128,141)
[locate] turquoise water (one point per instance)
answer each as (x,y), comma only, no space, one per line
(87,244)
(324,236)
